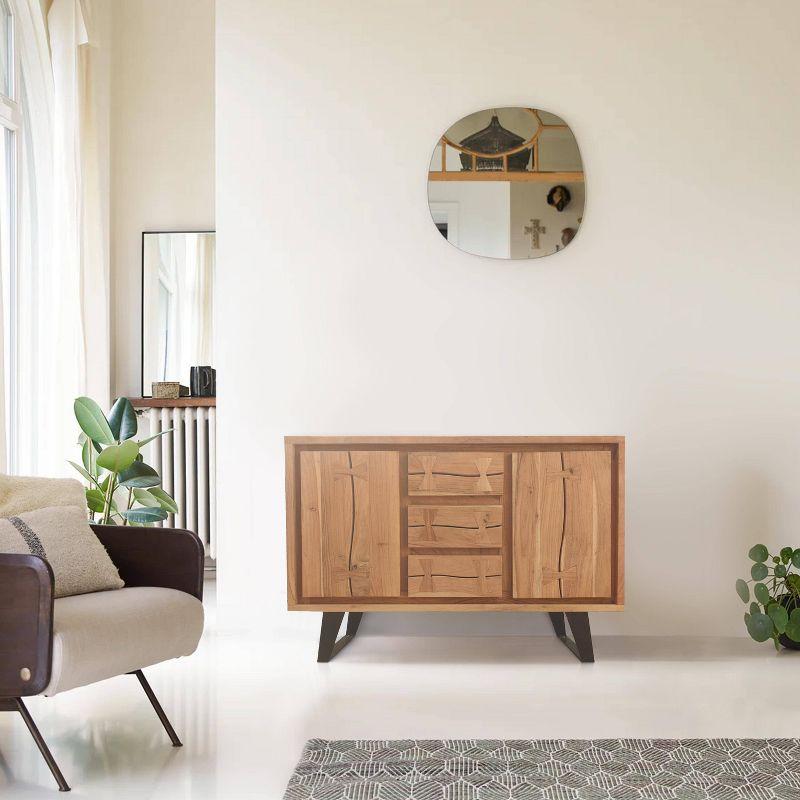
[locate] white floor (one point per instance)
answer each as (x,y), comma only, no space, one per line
(244,707)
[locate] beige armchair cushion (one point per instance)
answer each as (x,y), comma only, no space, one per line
(21,494)
(62,536)
(100,635)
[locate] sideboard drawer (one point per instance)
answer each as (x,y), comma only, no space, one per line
(455,473)
(455,576)
(455,526)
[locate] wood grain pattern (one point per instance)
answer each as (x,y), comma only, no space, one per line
(455,526)
(350,523)
(455,473)
(618,522)
(586,550)
(538,509)
(508,527)
(293,551)
(455,576)
(562,524)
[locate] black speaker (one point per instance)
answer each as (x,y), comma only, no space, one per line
(203,381)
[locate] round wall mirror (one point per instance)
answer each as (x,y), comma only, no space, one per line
(507,183)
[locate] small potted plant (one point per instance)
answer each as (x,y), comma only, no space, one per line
(775,611)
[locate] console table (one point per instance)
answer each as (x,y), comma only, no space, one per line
(529,523)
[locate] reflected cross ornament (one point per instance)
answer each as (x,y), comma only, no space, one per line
(534,230)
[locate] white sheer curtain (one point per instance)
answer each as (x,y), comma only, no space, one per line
(94,103)
(33,303)
(63,293)
(204,298)
(192,302)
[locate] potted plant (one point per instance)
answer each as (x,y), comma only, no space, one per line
(775,611)
(121,488)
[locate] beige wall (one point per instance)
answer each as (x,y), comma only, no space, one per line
(162,147)
(672,318)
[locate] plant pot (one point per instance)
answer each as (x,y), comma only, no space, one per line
(789,602)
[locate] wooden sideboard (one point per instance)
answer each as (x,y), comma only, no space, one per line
(455,524)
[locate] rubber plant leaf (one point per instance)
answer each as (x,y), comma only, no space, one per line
(122,420)
(139,476)
(164,500)
(118,457)
(144,515)
(92,420)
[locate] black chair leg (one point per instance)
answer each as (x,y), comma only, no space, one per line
(329,646)
(581,643)
(16,704)
(176,742)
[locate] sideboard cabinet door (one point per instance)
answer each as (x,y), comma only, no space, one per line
(350,523)
(562,524)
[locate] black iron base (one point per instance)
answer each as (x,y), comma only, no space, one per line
(329,646)
(16,704)
(581,644)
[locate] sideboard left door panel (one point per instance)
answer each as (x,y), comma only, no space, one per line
(562,524)
(350,523)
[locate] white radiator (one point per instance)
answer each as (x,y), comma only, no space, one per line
(186,459)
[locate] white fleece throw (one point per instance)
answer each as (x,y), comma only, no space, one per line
(18,495)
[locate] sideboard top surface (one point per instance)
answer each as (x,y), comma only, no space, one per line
(481,441)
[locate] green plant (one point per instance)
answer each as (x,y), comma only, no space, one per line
(121,488)
(775,612)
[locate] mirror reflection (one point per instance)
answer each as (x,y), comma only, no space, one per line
(507,183)
(177,305)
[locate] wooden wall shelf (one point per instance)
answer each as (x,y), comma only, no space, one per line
(509,177)
(177,402)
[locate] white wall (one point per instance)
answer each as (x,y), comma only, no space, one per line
(162,147)
(672,318)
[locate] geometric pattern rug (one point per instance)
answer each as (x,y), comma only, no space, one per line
(550,769)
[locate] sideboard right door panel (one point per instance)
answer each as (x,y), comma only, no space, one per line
(562,524)
(350,523)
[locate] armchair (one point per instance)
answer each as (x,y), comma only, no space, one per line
(48,646)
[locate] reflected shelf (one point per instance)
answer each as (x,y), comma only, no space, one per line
(501,175)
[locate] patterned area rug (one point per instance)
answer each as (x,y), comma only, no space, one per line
(558,769)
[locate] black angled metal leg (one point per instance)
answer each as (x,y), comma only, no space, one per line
(559,626)
(176,742)
(16,704)
(581,643)
(329,646)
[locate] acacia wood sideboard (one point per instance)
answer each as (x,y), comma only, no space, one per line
(519,523)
